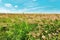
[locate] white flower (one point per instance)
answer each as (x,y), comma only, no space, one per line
(46,31)
(43,36)
(49,35)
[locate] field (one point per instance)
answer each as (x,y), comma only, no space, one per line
(29,26)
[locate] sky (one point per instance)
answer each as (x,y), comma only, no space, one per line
(19,6)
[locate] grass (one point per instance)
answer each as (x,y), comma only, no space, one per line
(30,27)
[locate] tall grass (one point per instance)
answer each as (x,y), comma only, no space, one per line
(20,29)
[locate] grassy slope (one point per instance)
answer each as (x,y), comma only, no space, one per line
(29,27)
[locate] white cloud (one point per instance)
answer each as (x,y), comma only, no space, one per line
(3,10)
(34,9)
(8,5)
(30,9)
(25,10)
(34,0)
(16,6)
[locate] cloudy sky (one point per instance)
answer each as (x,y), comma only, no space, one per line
(29,6)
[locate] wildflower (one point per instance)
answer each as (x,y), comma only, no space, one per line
(43,37)
(54,34)
(49,35)
(46,31)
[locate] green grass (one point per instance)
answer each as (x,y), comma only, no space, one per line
(22,30)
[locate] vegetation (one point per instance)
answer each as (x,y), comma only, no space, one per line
(30,27)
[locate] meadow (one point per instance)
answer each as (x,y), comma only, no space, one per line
(29,26)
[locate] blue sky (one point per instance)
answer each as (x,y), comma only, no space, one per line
(19,6)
